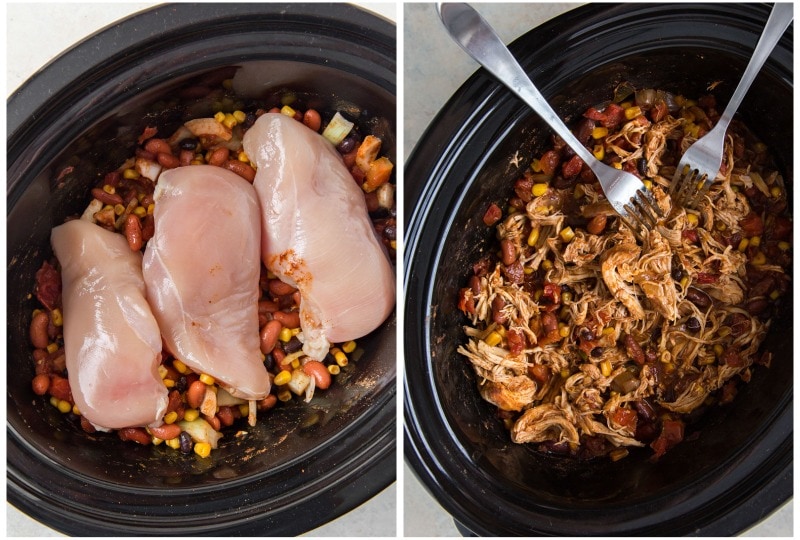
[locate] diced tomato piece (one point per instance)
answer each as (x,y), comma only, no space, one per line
(752,225)
(516,341)
(671,434)
(625,418)
(492,215)
(706,277)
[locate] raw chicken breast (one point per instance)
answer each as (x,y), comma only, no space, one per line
(202,269)
(111,339)
(317,234)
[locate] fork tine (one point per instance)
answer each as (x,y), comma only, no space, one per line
(702,186)
(642,212)
(684,186)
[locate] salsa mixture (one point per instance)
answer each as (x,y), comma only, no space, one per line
(590,342)
(196,406)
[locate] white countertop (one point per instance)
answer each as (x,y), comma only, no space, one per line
(36,33)
(434,68)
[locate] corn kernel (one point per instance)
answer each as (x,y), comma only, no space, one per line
(608,330)
(547,264)
(333,369)
(75,410)
(140,211)
(109,189)
(755,241)
(242,156)
(774,295)
(288,111)
(536,165)
(349,347)
(169,383)
(537,294)
(599,132)
(296,363)
(633,112)
(191,415)
(282,378)
(669,367)
(156,441)
(605,368)
(285,335)
(240,116)
(775,191)
(202,449)
(692,220)
(52,347)
(718,350)
(64,406)
(54,401)
(493,339)
(119,209)
(393,243)
(566,297)
(341,359)
(567,234)
(648,184)
(782,245)
(626,104)
(180,367)
(527,270)
(296,331)
(539,189)
(533,237)
(563,330)
(229,121)
(284,395)
(684,282)
(170,417)
(758,259)
(57,317)
(207,379)
(617,165)
(197,161)
(599,152)
(130,174)
(743,243)
(564,373)
(175,443)
(219,117)
(162,371)
(244,409)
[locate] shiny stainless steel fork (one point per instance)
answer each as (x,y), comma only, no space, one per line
(626,192)
(701,162)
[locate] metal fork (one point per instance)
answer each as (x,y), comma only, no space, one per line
(701,162)
(626,192)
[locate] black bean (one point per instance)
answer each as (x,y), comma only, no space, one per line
(188,144)
(181,385)
(641,166)
(597,352)
(269,362)
(693,325)
(186,442)
(293,345)
(585,334)
(347,145)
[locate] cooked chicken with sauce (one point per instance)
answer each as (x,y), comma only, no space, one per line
(590,341)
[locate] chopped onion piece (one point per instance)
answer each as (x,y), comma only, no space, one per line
(338,128)
(201,431)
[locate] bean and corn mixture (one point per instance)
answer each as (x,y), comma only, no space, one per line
(590,342)
(122,201)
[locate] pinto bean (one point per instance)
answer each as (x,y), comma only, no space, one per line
(106,198)
(186,157)
(213,422)
(59,388)
(135,434)
(148,227)
(497,310)
(218,156)
(312,120)
(757,306)
(268,402)
(698,297)
(133,232)
(40,384)
(166,431)
(597,224)
(225,415)
(279,288)
(634,350)
(509,252)
(38,330)
(267,306)
(289,319)
(195,394)
(475,284)
(158,146)
(549,323)
(168,161)
(269,335)
(322,377)
(241,168)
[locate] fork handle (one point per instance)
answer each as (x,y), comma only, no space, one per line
(479,40)
(779,19)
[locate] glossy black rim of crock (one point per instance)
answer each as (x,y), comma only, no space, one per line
(429,442)
(343,476)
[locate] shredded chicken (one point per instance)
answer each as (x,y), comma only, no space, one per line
(595,335)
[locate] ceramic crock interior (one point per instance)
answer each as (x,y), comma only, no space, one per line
(515,489)
(92,129)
